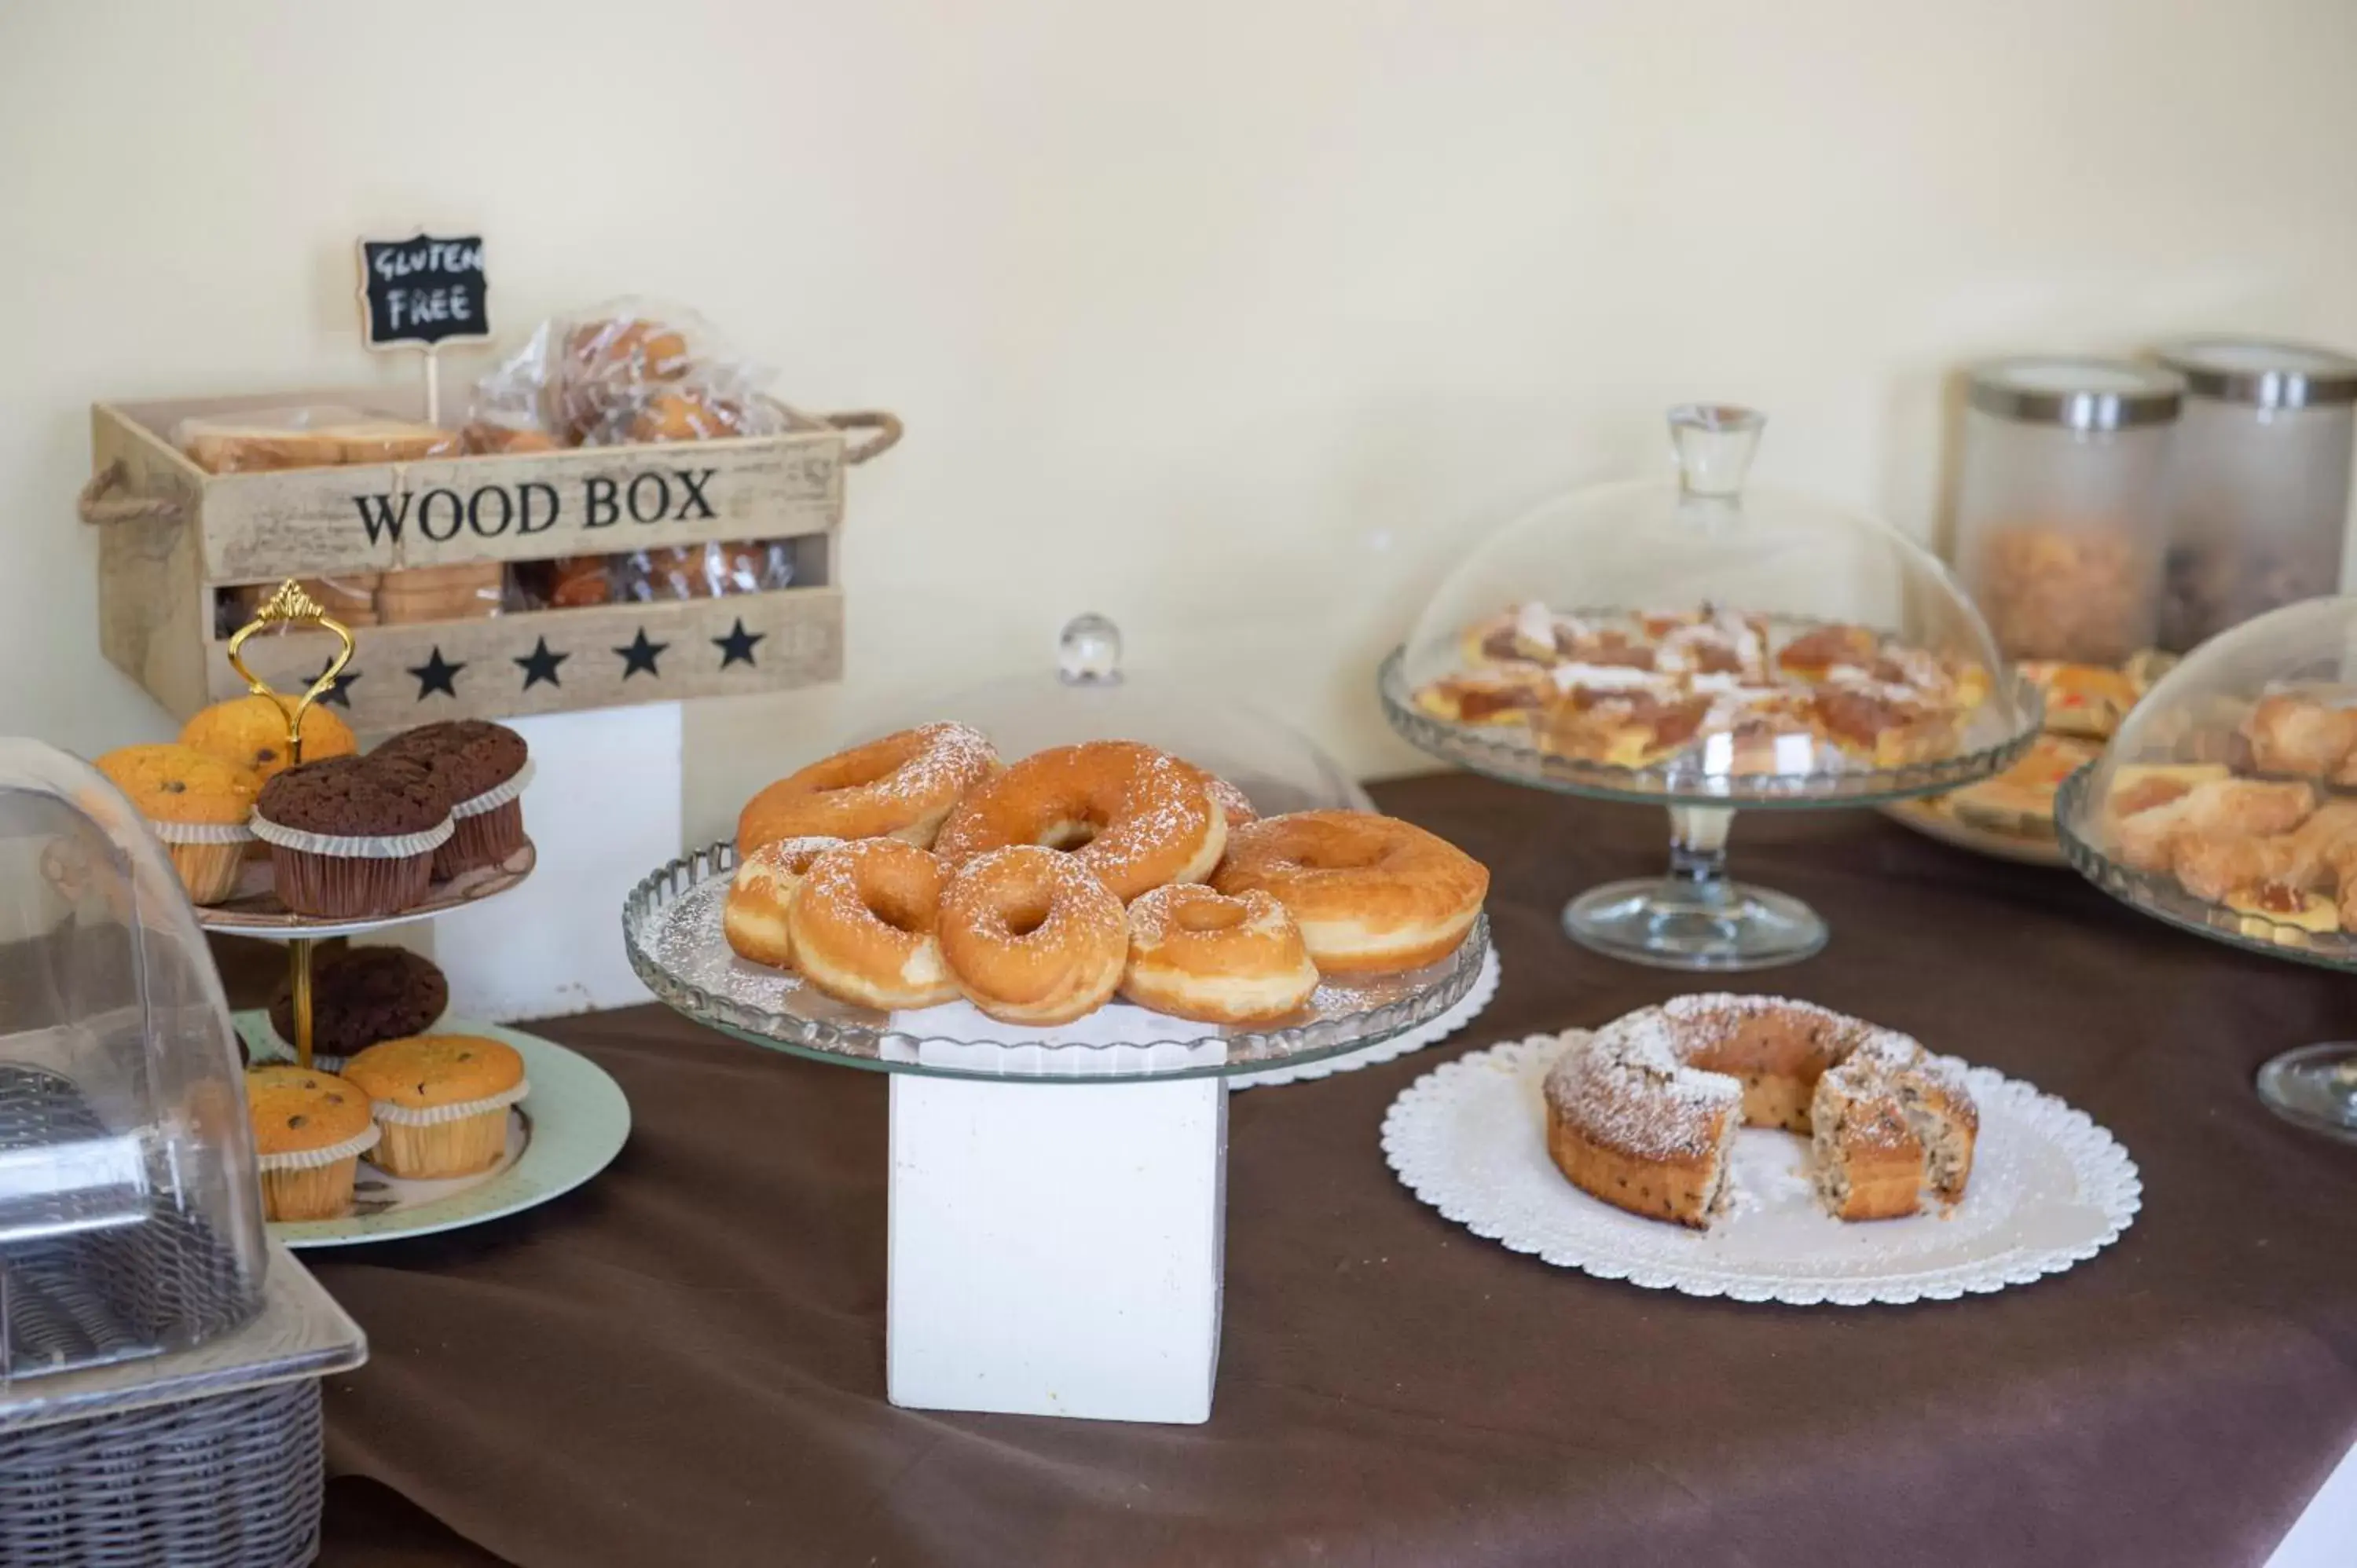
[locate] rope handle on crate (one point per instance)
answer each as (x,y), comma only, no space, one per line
(290,606)
(95,505)
(887,427)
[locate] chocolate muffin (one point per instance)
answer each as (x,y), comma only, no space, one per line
(484,765)
(353,837)
(362,996)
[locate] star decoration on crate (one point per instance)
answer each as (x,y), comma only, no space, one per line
(640,655)
(437,674)
(737,648)
(541,664)
(336,693)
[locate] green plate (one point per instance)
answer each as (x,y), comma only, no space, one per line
(567,1130)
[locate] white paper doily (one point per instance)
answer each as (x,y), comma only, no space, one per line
(2050,1189)
(1485,986)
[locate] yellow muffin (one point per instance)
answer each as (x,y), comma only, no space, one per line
(251,731)
(196,804)
(311,1129)
(442,1100)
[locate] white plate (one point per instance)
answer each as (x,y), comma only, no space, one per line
(1485,986)
(2050,1189)
(570,1128)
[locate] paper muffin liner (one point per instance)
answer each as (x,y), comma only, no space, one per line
(208,855)
(358,1144)
(207,871)
(444,1141)
(294,1197)
(394,1115)
(200,832)
(495,797)
(332,888)
(352,846)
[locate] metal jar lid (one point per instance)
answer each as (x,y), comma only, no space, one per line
(2263,372)
(2078,394)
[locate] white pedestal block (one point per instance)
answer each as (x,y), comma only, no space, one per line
(603,809)
(1056,1246)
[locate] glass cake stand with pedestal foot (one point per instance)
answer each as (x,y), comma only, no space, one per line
(1711,649)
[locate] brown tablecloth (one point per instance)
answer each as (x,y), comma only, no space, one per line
(682,1362)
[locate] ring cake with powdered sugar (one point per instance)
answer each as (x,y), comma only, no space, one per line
(1644,1114)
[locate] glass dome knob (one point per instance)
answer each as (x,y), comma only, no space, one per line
(1713,444)
(1088,651)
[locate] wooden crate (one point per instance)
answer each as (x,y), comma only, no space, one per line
(174,536)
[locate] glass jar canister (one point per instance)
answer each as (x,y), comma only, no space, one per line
(2259,494)
(2060,504)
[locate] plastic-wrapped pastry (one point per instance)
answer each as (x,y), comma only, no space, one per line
(624,371)
(705,570)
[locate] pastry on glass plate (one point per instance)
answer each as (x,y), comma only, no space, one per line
(2087,700)
(2021,799)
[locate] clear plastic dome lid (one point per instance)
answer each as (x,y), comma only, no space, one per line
(1706,641)
(2227,802)
(130,1220)
(1088,694)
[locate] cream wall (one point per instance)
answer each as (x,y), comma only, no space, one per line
(1233,320)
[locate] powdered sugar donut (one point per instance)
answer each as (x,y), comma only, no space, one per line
(754,917)
(1135,817)
(899,787)
(1195,953)
(863,923)
(1373,894)
(1031,936)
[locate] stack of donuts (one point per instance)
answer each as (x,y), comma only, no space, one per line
(918,870)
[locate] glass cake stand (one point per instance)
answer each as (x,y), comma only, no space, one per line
(2192,724)
(1696,916)
(1055,1253)
(1787,564)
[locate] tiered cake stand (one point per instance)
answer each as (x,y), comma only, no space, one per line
(2312,1086)
(254,911)
(591,1097)
(1696,917)
(1057,1196)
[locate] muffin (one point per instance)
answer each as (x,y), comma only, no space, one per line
(442,1100)
(199,805)
(251,731)
(362,996)
(353,837)
(486,767)
(311,1129)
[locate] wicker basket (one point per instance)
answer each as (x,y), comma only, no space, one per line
(231,1481)
(89,1314)
(92,1296)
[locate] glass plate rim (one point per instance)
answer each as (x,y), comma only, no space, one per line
(1350,1032)
(1488,754)
(2171,905)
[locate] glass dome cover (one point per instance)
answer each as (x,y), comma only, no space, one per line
(130,1221)
(1090,696)
(2227,802)
(2226,805)
(1700,641)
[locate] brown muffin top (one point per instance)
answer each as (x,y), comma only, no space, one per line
(473,756)
(362,996)
(355,797)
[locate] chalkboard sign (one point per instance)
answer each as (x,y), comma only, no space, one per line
(424,290)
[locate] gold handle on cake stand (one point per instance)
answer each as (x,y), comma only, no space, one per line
(291,606)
